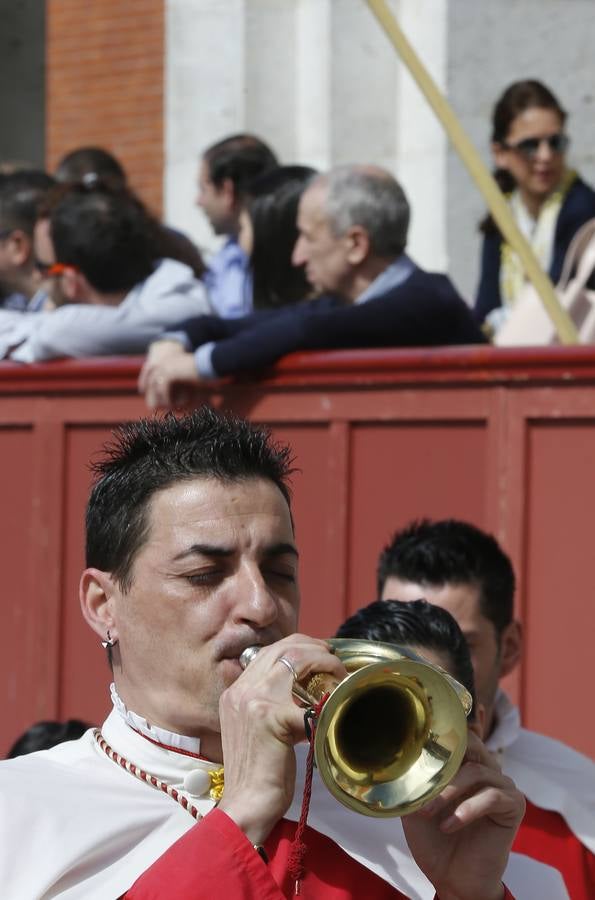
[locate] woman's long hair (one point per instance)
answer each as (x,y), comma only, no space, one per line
(272,205)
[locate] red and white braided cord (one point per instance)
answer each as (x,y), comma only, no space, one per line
(145,776)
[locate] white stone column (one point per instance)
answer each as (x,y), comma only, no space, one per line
(421,141)
(320,81)
(313,83)
(204,97)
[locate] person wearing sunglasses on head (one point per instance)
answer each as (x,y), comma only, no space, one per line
(548,201)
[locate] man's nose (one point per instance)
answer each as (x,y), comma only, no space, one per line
(256,603)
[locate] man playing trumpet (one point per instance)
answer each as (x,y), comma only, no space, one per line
(191,558)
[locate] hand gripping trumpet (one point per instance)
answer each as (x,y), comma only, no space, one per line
(392,734)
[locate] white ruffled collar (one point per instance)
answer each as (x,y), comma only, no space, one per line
(154,750)
(168,739)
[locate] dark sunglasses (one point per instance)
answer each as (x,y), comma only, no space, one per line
(558,143)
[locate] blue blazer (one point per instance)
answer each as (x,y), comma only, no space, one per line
(423,311)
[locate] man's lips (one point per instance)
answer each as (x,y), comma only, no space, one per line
(233,651)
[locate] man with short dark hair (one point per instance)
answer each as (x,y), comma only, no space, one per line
(21,194)
(226,170)
(353,225)
(432,633)
(102,249)
(191,559)
(457,566)
(97,167)
(419,626)
(46,734)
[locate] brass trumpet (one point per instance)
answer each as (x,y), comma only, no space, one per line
(392,734)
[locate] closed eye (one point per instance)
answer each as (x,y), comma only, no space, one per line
(207,577)
(283,575)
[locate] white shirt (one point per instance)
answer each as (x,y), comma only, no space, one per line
(169,296)
(75,825)
(550,774)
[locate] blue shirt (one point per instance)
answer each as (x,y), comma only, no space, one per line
(229,282)
(22,303)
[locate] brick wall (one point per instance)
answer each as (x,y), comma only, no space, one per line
(104,85)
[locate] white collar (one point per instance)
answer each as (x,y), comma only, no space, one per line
(153,732)
(127,733)
(550,774)
(378,844)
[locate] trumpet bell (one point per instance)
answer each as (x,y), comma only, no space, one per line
(393,733)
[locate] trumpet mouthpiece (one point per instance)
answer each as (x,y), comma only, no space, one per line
(247,655)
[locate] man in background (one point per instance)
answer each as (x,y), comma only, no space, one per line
(431,632)
(101,248)
(96,167)
(462,569)
(226,170)
(47,734)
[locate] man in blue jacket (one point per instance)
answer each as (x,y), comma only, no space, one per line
(352,226)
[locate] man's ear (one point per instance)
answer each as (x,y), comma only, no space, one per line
(358,244)
(97,594)
(511,646)
(228,191)
(74,286)
(477,726)
(70,285)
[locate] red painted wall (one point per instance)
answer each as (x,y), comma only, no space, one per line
(505,439)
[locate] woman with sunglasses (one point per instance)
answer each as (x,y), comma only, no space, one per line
(549,202)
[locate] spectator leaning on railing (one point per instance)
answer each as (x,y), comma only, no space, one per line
(352,227)
(100,247)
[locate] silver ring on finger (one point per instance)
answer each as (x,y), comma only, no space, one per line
(288,665)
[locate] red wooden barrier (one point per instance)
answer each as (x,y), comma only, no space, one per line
(505,439)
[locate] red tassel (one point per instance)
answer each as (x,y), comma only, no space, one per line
(297,850)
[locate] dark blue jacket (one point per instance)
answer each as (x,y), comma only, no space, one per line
(578,208)
(424,311)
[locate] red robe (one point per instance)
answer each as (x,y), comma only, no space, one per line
(544,835)
(216,860)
